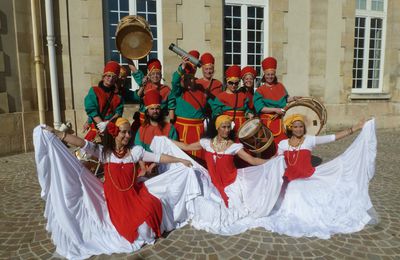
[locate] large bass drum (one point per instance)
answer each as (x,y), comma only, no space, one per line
(314,112)
(133,37)
(255,136)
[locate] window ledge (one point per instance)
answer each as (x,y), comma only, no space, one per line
(362,96)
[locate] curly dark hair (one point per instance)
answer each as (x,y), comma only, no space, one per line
(161,120)
(108,142)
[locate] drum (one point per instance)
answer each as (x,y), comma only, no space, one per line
(133,37)
(314,113)
(255,136)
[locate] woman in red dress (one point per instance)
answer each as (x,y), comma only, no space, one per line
(135,213)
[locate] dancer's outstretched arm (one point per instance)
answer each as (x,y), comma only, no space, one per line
(68,138)
(188,147)
(350,130)
(250,159)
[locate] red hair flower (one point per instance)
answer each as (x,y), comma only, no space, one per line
(112,129)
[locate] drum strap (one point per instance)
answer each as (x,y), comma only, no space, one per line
(234,108)
(208,90)
(201,107)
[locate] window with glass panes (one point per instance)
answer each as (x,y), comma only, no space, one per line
(245,33)
(369,41)
(115,10)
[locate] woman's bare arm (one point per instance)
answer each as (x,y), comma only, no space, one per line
(250,159)
(188,147)
(68,138)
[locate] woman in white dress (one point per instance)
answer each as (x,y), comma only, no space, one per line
(87,217)
(331,198)
(234,197)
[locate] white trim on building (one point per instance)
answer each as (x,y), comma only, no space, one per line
(369,46)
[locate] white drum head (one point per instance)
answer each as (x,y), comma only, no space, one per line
(248,127)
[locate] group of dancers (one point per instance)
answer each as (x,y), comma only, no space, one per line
(284,193)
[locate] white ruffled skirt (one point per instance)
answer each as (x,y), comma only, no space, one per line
(76,210)
(334,199)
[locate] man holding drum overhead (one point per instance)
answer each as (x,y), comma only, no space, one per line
(270,100)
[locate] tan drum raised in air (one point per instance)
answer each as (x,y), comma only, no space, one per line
(314,113)
(133,37)
(255,136)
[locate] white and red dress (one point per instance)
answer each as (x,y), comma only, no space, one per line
(86,217)
(233,198)
(331,198)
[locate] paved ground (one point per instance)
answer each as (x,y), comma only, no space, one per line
(23,235)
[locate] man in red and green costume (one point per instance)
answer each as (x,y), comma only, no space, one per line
(150,82)
(154,122)
(211,86)
(103,103)
(189,102)
(232,102)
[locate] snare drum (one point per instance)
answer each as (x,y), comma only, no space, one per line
(255,136)
(314,112)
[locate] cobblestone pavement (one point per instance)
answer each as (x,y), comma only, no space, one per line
(23,234)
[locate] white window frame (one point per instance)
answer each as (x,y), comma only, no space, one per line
(244,4)
(368,14)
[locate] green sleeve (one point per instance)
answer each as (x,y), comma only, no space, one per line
(137,139)
(176,90)
(138,77)
(258,102)
(172,133)
(120,108)
(216,106)
(91,104)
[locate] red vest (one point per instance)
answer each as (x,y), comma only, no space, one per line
(298,164)
(147,133)
(102,98)
(222,172)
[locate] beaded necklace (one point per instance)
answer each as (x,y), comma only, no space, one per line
(112,181)
(219,146)
(296,148)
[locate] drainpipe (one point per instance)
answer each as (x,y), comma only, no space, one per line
(53,64)
(38,65)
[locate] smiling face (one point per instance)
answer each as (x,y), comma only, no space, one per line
(232,85)
(298,129)
(124,135)
(224,129)
(208,71)
(155,76)
(269,76)
(248,81)
(109,79)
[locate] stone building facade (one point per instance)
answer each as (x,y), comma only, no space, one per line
(314,41)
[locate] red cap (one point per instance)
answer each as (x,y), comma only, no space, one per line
(112,67)
(248,70)
(191,69)
(233,72)
(194,53)
(152,98)
(207,58)
(269,63)
(154,65)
